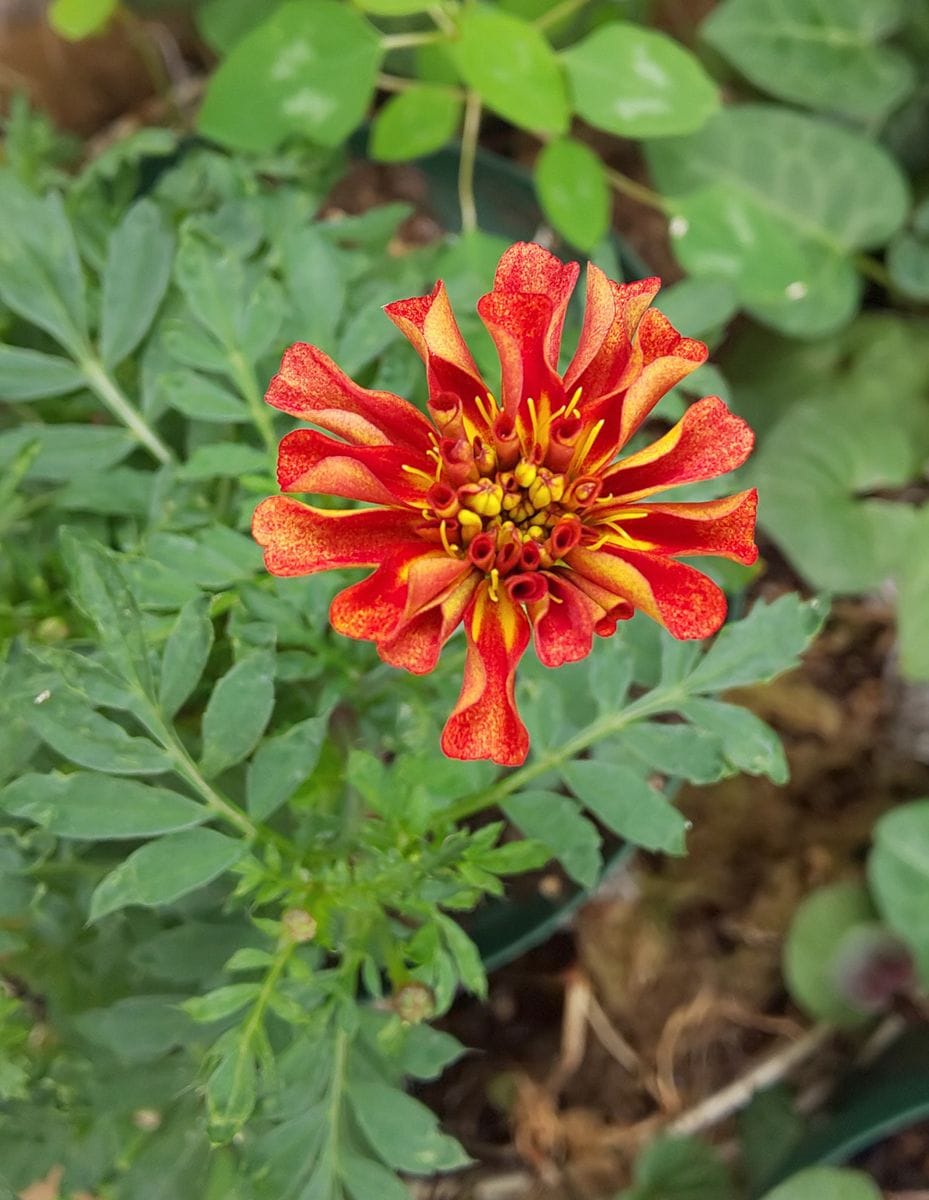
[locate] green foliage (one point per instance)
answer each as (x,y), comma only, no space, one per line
(826,1183)
(574,192)
(415,122)
(898,874)
(678,1168)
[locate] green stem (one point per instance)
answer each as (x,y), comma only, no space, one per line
(442,20)
(247,384)
(397,83)
(558,13)
(469,136)
(119,405)
(189,770)
(646,706)
(398,41)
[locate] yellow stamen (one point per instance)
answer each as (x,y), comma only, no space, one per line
(486,500)
(587,445)
(488,413)
(573,402)
(535,531)
(534,419)
(494,584)
(416,471)
(451,548)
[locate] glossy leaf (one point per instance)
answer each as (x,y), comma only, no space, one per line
(415,122)
(638,83)
(574,192)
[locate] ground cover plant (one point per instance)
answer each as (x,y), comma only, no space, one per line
(240,852)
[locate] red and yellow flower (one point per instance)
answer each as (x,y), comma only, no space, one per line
(519,518)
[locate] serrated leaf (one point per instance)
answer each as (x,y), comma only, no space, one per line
(31,375)
(162,871)
(512,66)
(185,655)
(417,121)
(761,646)
(823,54)
(675,750)
(638,83)
(97,807)
(574,192)
(135,279)
(622,799)
(237,712)
(747,742)
(101,591)
(306,69)
(83,736)
(466,955)
(556,822)
(282,764)
(404,1132)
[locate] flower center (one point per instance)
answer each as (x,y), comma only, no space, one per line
(513,504)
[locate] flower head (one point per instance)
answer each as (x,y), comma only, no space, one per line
(519,518)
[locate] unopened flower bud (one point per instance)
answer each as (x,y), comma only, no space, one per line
(414,1002)
(297,925)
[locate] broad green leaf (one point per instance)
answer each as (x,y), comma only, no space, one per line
(556,822)
(162,871)
(823,54)
(32,375)
(135,279)
(224,460)
(826,1183)
(88,739)
(189,953)
(314,276)
(185,655)
(898,872)
(415,122)
(137,1029)
(307,69)
(222,23)
(404,1132)
(679,1168)
(913,579)
(754,204)
(40,272)
(121,491)
(100,590)
(96,448)
(697,306)
(76,19)
(638,83)
(747,742)
(574,192)
(364,1178)
(282,764)
(762,645)
(221,1002)
(97,807)
(213,284)
(620,798)
(908,264)
(237,712)
(819,924)
(512,66)
(428,1051)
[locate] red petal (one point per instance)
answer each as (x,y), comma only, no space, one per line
(300,540)
(311,462)
(527,267)
(723,527)
(688,604)
(708,441)
(563,623)
(611,317)
(416,645)
(429,323)
(485,723)
(309,385)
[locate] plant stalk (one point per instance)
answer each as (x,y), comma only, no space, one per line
(120,406)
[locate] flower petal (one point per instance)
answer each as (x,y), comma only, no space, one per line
(528,267)
(429,323)
(563,622)
(709,440)
(300,540)
(723,527)
(611,317)
(688,604)
(309,385)
(416,644)
(311,462)
(485,723)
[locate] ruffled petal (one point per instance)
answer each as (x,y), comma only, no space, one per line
(688,604)
(563,622)
(300,540)
(723,527)
(417,643)
(311,462)
(429,323)
(611,317)
(708,441)
(309,385)
(485,723)
(529,268)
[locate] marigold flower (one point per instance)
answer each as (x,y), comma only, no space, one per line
(515,517)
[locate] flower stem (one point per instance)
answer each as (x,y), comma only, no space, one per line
(398,41)
(558,13)
(469,135)
(653,702)
(120,406)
